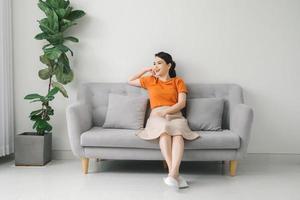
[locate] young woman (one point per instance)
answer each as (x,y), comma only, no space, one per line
(166,123)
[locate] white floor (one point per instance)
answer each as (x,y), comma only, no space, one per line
(259,176)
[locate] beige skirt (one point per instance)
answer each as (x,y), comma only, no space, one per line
(172,124)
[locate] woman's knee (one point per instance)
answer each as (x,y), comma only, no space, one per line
(177,137)
(165,136)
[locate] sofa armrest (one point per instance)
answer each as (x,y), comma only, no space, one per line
(79,120)
(241,120)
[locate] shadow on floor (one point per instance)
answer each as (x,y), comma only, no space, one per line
(143,166)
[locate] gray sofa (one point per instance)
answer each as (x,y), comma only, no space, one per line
(89,140)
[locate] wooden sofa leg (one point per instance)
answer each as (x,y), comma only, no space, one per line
(85,164)
(232,167)
(165,164)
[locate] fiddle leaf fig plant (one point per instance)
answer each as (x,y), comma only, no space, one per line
(59,17)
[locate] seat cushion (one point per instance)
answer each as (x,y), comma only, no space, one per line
(126,138)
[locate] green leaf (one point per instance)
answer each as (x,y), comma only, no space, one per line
(45,26)
(58,3)
(41,36)
(35,124)
(42,125)
(36,117)
(53,21)
(50,98)
(44,59)
(55,38)
(62,71)
(35,100)
(66,24)
(66,4)
(61,88)
(65,21)
(35,112)
(48,127)
(68,10)
(47,118)
(73,39)
(62,12)
(49,111)
(70,51)
(43,99)
(44,7)
(64,48)
(53,91)
(47,45)
(32,96)
(52,53)
(63,63)
(76,14)
(50,25)
(53,3)
(62,77)
(44,74)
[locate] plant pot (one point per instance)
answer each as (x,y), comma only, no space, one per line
(33,149)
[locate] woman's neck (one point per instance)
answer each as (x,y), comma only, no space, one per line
(164,78)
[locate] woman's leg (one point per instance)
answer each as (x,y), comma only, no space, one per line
(177,153)
(165,142)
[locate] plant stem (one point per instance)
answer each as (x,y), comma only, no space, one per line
(50,81)
(47,104)
(49,87)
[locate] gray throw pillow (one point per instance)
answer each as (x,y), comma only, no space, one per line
(127,112)
(205,113)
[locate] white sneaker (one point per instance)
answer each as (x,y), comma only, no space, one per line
(170,181)
(182,182)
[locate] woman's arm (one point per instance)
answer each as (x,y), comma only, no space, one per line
(179,105)
(134,80)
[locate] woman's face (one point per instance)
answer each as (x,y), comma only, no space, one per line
(161,68)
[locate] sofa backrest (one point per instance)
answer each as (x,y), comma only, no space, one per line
(95,94)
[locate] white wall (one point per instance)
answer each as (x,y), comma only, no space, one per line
(254,43)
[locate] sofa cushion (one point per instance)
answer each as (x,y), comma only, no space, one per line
(127,112)
(205,114)
(102,137)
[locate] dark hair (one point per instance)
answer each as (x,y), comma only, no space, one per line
(168,59)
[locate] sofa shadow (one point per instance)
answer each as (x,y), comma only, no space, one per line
(150,166)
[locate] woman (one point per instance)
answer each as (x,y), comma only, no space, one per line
(166,123)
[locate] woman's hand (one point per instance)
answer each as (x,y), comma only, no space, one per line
(150,69)
(160,113)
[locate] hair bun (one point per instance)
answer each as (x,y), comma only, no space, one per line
(173,63)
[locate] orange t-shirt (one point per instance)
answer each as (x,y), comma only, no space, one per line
(163,93)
